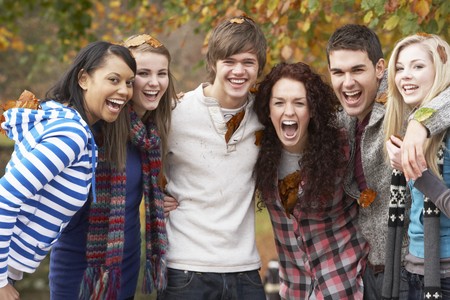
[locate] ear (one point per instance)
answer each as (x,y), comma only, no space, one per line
(380,67)
(83,79)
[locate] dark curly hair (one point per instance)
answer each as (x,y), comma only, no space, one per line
(323,157)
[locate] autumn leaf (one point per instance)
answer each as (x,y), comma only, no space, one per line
(422,114)
(422,8)
(392,22)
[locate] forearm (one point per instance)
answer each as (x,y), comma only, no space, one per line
(435,189)
(440,119)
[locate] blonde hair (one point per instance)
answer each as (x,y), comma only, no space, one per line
(162,115)
(397,110)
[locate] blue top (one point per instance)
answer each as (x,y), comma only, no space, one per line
(47,180)
(415,229)
(68,257)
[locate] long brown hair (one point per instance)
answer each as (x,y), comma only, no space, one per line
(323,157)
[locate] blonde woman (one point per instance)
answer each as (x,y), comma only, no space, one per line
(419,71)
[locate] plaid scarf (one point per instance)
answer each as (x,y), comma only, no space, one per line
(391,280)
(105,240)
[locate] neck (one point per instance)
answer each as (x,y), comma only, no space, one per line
(225,100)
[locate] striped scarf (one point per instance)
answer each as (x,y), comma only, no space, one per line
(431,223)
(105,240)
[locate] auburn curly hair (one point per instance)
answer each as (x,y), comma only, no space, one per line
(323,158)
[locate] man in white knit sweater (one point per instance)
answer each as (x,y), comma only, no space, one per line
(212,151)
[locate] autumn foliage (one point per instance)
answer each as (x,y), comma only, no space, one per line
(295,30)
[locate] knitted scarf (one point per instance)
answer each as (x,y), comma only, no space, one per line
(391,280)
(105,239)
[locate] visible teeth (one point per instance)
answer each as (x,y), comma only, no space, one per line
(237,80)
(116,101)
(151,93)
(289,123)
(351,93)
(409,87)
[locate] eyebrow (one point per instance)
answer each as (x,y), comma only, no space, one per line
(352,68)
(282,98)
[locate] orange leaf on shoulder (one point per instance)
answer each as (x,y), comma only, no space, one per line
(382,98)
(258,137)
(26,100)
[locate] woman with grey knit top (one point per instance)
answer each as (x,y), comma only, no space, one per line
(418,72)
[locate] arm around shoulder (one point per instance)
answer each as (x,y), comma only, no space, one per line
(435,189)
(440,119)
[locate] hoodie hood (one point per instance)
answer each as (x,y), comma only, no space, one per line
(20,121)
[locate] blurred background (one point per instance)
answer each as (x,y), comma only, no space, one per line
(39,38)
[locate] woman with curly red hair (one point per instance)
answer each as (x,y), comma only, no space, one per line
(299,178)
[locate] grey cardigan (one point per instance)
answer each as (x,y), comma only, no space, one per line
(373,220)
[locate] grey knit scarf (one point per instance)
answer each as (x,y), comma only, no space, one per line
(391,280)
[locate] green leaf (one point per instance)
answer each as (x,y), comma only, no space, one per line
(392,22)
(423,114)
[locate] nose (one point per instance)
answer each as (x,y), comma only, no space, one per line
(152,80)
(125,90)
(348,79)
(238,69)
(406,73)
(289,110)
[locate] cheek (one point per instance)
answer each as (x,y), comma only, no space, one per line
(164,84)
(138,83)
(397,83)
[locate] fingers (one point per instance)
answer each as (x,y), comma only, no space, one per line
(170,204)
(8,292)
(394,152)
(413,161)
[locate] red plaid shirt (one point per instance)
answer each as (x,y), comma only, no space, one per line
(320,253)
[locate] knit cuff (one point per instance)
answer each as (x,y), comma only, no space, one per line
(430,185)
(435,189)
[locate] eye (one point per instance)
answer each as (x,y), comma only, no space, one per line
(129,83)
(398,68)
(337,72)
(143,73)
(358,71)
(114,80)
(163,74)
(228,61)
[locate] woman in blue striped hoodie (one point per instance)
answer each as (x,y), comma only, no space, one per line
(51,169)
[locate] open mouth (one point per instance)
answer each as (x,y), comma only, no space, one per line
(237,81)
(408,89)
(289,128)
(352,96)
(151,94)
(115,104)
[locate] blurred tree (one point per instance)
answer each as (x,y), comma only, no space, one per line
(295,30)
(299,30)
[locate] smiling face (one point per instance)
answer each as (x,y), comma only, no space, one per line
(234,77)
(107,89)
(414,74)
(152,80)
(355,80)
(289,112)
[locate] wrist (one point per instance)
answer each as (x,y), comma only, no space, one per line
(421,116)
